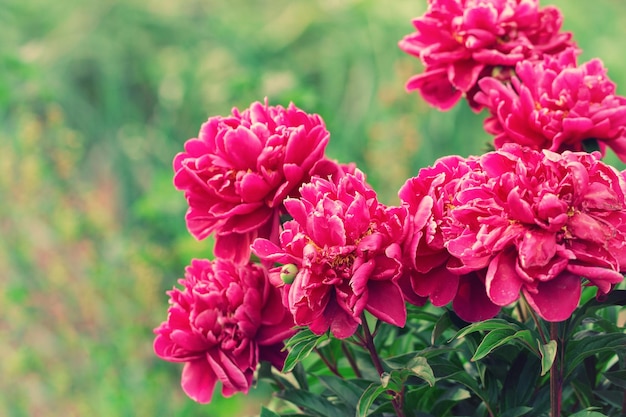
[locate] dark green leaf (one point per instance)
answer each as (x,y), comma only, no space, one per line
(367,399)
(444,323)
(520,380)
(492,340)
(300,374)
(617,378)
(578,350)
(586,413)
(487,325)
(548,353)
(419,367)
(465,379)
(300,346)
(516,412)
(345,390)
(268,413)
(313,403)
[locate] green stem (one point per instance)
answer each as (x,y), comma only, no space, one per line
(329,365)
(346,350)
(368,342)
(556,374)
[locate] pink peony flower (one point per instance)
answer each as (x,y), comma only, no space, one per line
(539,222)
(226,318)
(343,248)
(432,271)
(461,41)
(239,170)
(556,105)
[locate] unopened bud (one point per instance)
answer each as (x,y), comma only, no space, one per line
(288,273)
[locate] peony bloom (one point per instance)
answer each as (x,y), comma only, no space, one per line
(239,170)
(225,319)
(461,41)
(343,250)
(432,271)
(539,222)
(556,105)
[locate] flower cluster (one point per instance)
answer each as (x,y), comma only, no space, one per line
(538,218)
(344,246)
(221,324)
(557,105)
(526,222)
(461,41)
(239,170)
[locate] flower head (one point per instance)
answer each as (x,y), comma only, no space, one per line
(461,41)
(555,104)
(224,320)
(539,222)
(345,247)
(431,270)
(239,170)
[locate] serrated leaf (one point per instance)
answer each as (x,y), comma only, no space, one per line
(367,399)
(313,403)
(268,413)
(548,354)
(492,340)
(487,325)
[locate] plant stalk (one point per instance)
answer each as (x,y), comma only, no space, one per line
(368,342)
(556,374)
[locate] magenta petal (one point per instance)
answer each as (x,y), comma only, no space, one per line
(234,379)
(537,249)
(471,302)
(555,300)
(198,381)
(502,282)
(234,246)
(386,302)
(436,89)
(440,285)
(243,147)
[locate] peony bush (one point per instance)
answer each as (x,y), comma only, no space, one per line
(494,288)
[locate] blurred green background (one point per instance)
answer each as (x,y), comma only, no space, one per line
(96,97)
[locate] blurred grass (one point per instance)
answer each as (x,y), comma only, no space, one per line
(97,97)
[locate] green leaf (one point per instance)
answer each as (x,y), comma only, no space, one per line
(548,354)
(492,340)
(578,350)
(268,413)
(487,325)
(444,323)
(614,298)
(345,390)
(516,412)
(300,346)
(617,378)
(464,378)
(587,413)
(313,403)
(419,367)
(300,374)
(367,399)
